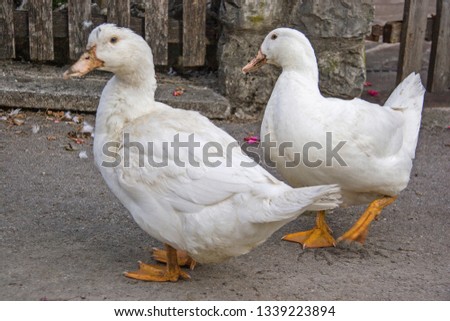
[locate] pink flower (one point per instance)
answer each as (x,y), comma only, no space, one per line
(367,84)
(373,93)
(252,140)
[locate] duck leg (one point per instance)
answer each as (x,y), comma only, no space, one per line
(170,272)
(358,232)
(183,258)
(319,236)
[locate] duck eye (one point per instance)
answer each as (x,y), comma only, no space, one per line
(113,39)
(274,36)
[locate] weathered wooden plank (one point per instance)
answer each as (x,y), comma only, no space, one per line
(60,29)
(61,24)
(157,29)
(7,47)
(377,32)
(80,24)
(119,12)
(413,38)
(40,23)
(194,33)
(430,24)
(439,70)
(392,32)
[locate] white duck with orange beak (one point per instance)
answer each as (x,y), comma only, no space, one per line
(376,144)
(210,208)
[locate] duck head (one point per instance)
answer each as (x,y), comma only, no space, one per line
(287,48)
(115,49)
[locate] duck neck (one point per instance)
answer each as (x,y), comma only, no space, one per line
(308,75)
(126,97)
(301,59)
(140,78)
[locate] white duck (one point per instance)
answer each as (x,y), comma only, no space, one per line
(373,145)
(205,197)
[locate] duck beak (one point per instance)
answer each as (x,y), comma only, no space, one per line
(256,63)
(87,62)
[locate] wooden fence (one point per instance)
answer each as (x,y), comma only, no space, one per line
(41,25)
(412,41)
(415,28)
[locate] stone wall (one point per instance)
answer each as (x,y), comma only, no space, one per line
(336,29)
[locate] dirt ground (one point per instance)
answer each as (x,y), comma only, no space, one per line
(64,236)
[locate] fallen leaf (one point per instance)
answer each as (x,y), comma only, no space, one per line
(15,117)
(77,136)
(18,121)
(373,93)
(20,116)
(58,114)
(51,138)
(71,147)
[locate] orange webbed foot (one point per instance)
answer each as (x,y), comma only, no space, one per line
(358,232)
(171,272)
(319,236)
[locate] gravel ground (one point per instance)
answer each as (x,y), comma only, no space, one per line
(64,236)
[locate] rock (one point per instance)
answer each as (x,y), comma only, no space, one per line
(248,94)
(336,30)
(333,18)
(42,87)
(254,16)
(246,23)
(342,70)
